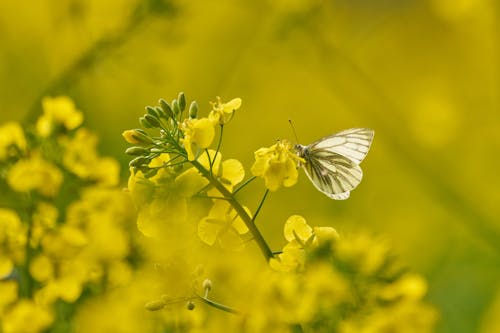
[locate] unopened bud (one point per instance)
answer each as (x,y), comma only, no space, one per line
(182,101)
(136,151)
(152,111)
(193,110)
(165,107)
(175,107)
(138,161)
(145,123)
(160,112)
(190,306)
(137,136)
(207,285)
(153,120)
(155,305)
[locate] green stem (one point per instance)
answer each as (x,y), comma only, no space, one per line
(248,181)
(218,305)
(261,242)
(260,205)
(218,145)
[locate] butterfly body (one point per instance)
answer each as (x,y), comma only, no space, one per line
(332,163)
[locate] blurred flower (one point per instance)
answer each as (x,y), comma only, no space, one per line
(12,241)
(27,317)
(80,156)
(58,111)
(223,225)
(11,136)
(277,165)
(198,134)
(9,291)
(35,173)
(222,113)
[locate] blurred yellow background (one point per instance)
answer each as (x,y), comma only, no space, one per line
(424,74)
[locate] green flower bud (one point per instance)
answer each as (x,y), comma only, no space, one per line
(151,110)
(155,305)
(152,120)
(165,107)
(193,110)
(182,101)
(150,173)
(175,107)
(137,151)
(190,306)
(138,161)
(145,123)
(160,112)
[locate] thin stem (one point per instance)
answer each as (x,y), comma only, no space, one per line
(209,160)
(210,197)
(248,181)
(259,239)
(218,145)
(260,205)
(218,305)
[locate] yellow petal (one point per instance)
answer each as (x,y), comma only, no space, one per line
(296,225)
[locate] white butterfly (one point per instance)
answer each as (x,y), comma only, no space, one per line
(332,163)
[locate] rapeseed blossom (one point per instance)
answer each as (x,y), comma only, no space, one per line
(277,165)
(58,111)
(65,235)
(12,140)
(318,282)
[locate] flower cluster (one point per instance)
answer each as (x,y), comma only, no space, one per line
(186,197)
(64,226)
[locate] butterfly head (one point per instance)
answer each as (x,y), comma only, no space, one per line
(302,151)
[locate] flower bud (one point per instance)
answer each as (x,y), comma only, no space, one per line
(145,123)
(207,285)
(136,151)
(190,306)
(138,161)
(161,114)
(193,110)
(175,107)
(152,120)
(166,108)
(182,101)
(152,111)
(137,136)
(155,305)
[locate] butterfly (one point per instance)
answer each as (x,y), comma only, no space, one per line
(332,163)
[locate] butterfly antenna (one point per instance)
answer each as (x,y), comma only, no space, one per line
(293,130)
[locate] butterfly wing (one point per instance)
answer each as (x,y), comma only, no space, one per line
(353,144)
(332,163)
(332,174)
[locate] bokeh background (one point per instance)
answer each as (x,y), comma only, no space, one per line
(423,73)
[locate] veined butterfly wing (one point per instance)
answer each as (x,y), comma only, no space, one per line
(332,162)
(353,143)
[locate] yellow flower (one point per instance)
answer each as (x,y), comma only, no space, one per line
(168,204)
(198,134)
(58,111)
(9,292)
(11,135)
(222,113)
(81,158)
(230,172)
(27,317)
(277,165)
(35,173)
(224,225)
(12,241)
